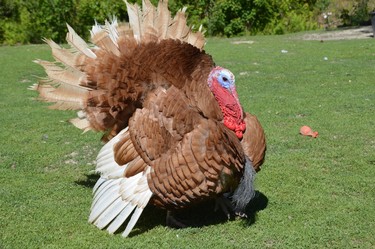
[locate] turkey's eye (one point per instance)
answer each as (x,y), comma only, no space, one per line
(225,79)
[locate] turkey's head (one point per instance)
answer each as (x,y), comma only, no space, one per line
(222,84)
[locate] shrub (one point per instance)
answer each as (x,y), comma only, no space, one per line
(24,21)
(30,21)
(349,12)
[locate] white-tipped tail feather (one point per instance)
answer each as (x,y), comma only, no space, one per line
(78,43)
(116,198)
(150,20)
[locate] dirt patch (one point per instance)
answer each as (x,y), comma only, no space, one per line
(242,42)
(342,34)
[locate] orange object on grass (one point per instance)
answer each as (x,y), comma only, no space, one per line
(307,131)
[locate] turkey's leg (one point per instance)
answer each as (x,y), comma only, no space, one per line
(224,203)
(173,221)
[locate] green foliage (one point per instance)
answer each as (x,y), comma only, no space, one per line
(30,21)
(230,17)
(23,21)
(349,12)
(298,18)
(360,13)
(35,20)
(88,10)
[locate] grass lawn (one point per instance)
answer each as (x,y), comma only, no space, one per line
(317,193)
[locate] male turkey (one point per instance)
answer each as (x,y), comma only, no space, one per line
(176,132)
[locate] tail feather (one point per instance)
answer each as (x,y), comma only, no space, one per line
(195,39)
(111,28)
(98,184)
(104,199)
(102,187)
(110,213)
(78,43)
(104,41)
(121,217)
(111,207)
(137,213)
(64,98)
(178,28)
(157,22)
(135,19)
(65,56)
(149,14)
(163,19)
(67,76)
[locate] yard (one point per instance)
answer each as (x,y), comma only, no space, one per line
(314,193)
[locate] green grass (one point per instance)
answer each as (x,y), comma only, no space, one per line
(320,192)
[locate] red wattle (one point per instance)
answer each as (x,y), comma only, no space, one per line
(237,126)
(243,126)
(239,134)
(229,123)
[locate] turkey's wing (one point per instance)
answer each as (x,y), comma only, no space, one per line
(192,157)
(254,141)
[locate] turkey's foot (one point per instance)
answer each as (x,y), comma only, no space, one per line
(224,203)
(173,221)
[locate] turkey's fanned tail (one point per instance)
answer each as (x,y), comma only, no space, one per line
(152,21)
(75,79)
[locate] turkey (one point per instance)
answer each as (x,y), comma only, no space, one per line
(175,132)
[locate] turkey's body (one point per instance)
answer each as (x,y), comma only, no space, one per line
(169,140)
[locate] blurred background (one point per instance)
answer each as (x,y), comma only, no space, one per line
(25,21)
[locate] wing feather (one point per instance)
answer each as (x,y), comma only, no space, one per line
(254,141)
(180,163)
(116,198)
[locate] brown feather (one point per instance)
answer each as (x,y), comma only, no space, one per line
(67,76)
(163,19)
(65,56)
(78,43)
(65,97)
(136,166)
(108,71)
(178,28)
(105,42)
(254,141)
(135,19)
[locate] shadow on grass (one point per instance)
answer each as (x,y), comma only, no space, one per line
(89,182)
(199,215)
(196,216)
